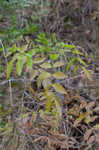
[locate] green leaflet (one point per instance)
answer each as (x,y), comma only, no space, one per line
(9,68)
(10,65)
(69,46)
(12,49)
(19,64)
(70,63)
(29,61)
(76,69)
(1,106)
(2,124)
(32,52)
(75,51)
(81,61)
(54,56)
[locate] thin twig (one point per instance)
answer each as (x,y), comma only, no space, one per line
(10,88)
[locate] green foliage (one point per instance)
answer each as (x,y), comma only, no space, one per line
(1,68)
(46,48)
(43,54)
(1,94)
(18,22)
(2,124)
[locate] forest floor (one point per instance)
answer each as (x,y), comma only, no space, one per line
(24,123)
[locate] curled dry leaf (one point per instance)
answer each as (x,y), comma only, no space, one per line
(96,127)
(31,131)
(40,138)
(91,104)
(87,134)
(96,109)
(91,140)
(93,118)
(83,104)
(33,73)
(77,122)
(97,137)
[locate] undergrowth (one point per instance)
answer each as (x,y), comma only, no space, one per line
(49,102)
(50,111)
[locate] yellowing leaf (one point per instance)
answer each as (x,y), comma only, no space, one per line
(44,75)
(59,75)
(46,83)
(42,114)
(33,73)
(81,117)
(38,60)
(58,88)
(88,119)
(49,102)
(58,107)
(34,116)
(97,125)
(58,64)
(46,65)
(31,90)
